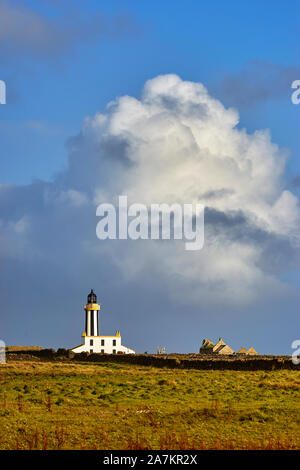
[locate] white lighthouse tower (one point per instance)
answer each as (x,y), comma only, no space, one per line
(91,315)
(92,342)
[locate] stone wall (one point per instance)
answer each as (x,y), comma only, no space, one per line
(172,361)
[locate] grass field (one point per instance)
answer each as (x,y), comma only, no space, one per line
(64,405)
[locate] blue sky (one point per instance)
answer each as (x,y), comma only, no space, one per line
(76,58)
(197,40)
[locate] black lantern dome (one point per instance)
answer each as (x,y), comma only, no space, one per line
(92,298)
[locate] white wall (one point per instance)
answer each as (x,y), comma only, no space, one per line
(97,347)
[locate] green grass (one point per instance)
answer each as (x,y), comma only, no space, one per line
(57,405)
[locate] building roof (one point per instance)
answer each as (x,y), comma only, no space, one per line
(92,298)
(252,351)
(207,343)
(219,348)
(224,349)
(242,351)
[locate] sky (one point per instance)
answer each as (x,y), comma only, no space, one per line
(167,102)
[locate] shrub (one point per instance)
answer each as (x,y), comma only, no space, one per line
(62,352)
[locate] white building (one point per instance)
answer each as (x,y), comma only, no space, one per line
(92,342)
(220,347)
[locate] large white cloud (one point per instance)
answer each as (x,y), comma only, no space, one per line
(185,146)
(174,144)
(178,144)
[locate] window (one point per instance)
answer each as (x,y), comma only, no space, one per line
(91,351)
(102,342)
(114,342)
(114,351)
(91,342)
(102,350)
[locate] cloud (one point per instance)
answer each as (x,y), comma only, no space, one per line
(257,82)
(174,144)
(25,32)
(296,181)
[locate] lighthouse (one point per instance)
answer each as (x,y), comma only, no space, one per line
(92,341)
(91,315)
